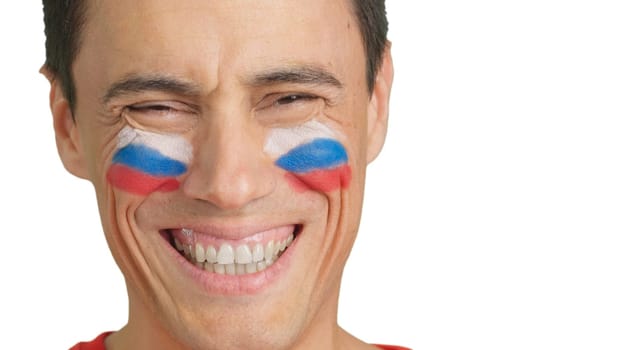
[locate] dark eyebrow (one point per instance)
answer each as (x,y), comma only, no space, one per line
(297,75)
(143,83)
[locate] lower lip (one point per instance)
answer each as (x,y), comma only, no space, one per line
(232,285)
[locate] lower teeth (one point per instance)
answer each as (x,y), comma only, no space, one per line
(232,269)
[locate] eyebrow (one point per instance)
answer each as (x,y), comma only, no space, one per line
(308,75)
(133,84)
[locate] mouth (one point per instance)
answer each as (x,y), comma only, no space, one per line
(246,255)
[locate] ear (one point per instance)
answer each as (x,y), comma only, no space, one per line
(65,128)
(378,108)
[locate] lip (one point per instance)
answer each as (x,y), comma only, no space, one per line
(233,285)
(234,236)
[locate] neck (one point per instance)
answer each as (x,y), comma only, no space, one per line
(145,331)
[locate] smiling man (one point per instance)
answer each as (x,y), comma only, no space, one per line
(227,142)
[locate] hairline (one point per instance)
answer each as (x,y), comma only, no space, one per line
(69,87)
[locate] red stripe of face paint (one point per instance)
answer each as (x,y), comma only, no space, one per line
(131,180)
(321,180)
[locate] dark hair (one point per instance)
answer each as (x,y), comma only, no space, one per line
(371,16)
(64,21)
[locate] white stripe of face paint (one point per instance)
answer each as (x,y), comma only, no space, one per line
(172,146)
(282,140)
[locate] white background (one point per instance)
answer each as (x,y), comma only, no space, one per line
(493,218)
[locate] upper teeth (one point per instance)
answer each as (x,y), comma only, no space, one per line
(227,259)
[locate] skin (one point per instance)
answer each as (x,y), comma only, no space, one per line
(220,48)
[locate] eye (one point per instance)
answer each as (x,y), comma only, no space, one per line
(288,99)
(278,108)
(166,116)
(151,108)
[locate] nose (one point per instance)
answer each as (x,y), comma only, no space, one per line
(230,169)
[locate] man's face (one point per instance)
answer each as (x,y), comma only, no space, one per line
(227,143)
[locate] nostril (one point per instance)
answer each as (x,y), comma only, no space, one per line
(232,185)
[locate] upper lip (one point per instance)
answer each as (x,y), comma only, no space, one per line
(230,231)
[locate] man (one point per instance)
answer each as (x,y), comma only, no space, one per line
(227,143)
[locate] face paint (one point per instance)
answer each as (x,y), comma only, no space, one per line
(311,155)
(146,162)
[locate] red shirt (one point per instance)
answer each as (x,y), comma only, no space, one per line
(95,344)
(98,344)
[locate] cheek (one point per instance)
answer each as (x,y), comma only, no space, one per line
(321,180)
(319,165)
(138,182)
(148,162)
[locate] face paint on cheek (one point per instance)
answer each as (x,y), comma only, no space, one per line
(312,157)
(146,162)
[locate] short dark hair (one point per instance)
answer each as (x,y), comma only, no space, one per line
(371,16)
(64,21)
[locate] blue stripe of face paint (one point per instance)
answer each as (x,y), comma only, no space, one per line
(317,154)
(149,161)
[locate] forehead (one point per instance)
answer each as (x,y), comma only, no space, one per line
(211,40)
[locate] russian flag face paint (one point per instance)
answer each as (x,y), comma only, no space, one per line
(311,155)
(146,162)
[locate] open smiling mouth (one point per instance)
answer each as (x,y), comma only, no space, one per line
(245,256)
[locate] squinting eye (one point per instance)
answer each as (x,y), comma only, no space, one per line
(151,108)
(288,107)
(162,116)
(294,98)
